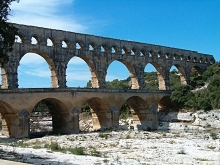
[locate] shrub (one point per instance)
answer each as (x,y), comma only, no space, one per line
(96,153)
(103,135)
(77,150)
(214,135)
(54,146)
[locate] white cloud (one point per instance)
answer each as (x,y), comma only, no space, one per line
(45,13)
(38,73)
(83,76)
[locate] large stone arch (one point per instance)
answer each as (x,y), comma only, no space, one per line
(58,114)
(198,68)
(184,78)
(101,113)
(143,116)
(7,118)
(165,103)
(52,66)
(92,68)
(160,75)
(129,65)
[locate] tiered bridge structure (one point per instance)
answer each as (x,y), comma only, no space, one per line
(17,104)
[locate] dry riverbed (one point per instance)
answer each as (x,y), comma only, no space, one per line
(123,147)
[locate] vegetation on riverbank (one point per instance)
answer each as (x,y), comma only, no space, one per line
(203,92)
(206,97)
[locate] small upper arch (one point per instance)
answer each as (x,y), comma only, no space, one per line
(19,38)
(50,42)
(65,43)
(92,46)
(80,44)
(35,40)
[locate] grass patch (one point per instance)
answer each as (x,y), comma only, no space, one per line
(96,153)
(77,150)
(214,135)
(103,135)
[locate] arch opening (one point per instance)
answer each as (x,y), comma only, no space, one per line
(176,76)
(64,44)
(118,76)
(103,49)
(143,117)
(37,70)
(18,39)
(133,51)
(49,116)
(50,42)
(5,120)
(142,52)
(150,54)
(78,46)
(113,49)
(99,114)
(92,47)
(34,40)
(150,77)
(81,73)
(196,77)
(159,54)
(165,104)
(175,56)
(153,77)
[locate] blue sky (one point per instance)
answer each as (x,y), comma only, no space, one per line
(186,24)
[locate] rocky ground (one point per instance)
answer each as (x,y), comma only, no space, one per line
(126,147)
(187,142)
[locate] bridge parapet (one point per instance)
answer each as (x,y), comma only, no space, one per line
(96,90)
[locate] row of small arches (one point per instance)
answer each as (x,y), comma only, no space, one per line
(124,51)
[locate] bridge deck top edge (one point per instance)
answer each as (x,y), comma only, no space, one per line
(97,90)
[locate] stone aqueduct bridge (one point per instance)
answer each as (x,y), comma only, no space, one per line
(17,104)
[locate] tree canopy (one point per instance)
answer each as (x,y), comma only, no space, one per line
(205,98)
(7,30)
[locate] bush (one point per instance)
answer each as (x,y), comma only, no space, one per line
(205,99)
(214,135)
(103,135)
(182,94)
(54,146)
(77,150)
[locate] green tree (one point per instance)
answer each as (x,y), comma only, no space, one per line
(7,30)
(182,94)
(151,80)
(211,71)
(174,79)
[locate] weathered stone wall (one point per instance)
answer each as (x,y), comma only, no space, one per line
(65,105)
(99,52)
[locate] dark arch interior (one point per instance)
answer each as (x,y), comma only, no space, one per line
(101,114)
(4,120)
(141,113)
(48,117)
(165,104)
